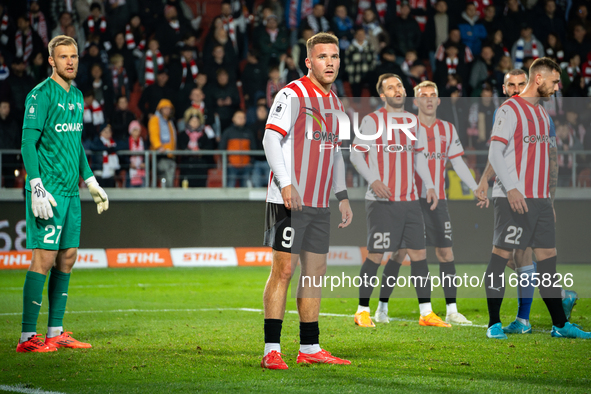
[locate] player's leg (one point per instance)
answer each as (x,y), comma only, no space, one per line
(447,270)
(389,278)
(525,292)
(41,263)
(369,269)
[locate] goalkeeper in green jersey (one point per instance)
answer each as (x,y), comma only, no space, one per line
(54,159)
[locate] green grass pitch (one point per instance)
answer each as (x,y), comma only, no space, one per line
(183,330)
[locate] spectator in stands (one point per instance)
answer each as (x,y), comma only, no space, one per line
(89,58)
(579,16)
(153,94)
(342,27)
(514,16)
(105,163)
(316,20)
(272,43)
(93,118)
(40,68)
(455,110)
(217,61)
(405,32)
(465,55)
(26,43)
(526,46)
(59,7)
(118,13)
(38,21)
(10,138)
(483,111)
(6,27)
(503,67)
(238,138)
(376,34)
(490,21)
(571,71)
(120,81)
(554,49)
(288,70)
(260,167)
(234,26)
(171,31)
(96,23)
(548,21)
(223,98)
(129,61)
(387,65)
(196,99)
(274,84)
(359,62)
(153,64)
(299,52)
(437,28)
(417,73)
(183,71)
(578,44)
(195,136)
(471,31)
(498,46)
(121,119)
(565,141)
(482,70)
(162,133)
(103,89)
(66,20)
(410,57)
(135,36)
(20,85)
(451,64)
(136,177)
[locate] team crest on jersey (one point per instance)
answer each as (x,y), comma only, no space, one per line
(279,110)
(71,106)
(79,106)
(32,112)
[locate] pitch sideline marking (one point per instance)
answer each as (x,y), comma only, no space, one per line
(120,285)
(19,388)
(219,309)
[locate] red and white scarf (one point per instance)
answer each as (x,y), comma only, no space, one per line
(192,67)
(415,4)
(452,65)
(4,24)
(573,72)
(136,173)
(130,39)
(506,52)
(26,51)
(115,73)
(200,106)
(230,27)
(110,160)
(587,69)
(175,25)
(150,65)
(194,138)
(520,53)
(558,55)
(40,26)
(102,25)
(94,114)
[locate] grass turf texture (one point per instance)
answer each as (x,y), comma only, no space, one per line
(157,349)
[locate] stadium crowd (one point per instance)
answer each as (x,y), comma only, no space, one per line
(157,75)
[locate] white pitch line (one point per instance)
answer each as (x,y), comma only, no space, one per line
(218,309)
(121,285)
(19,388)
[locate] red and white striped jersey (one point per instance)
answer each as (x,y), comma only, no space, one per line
(525,129)
(298,110)
(441,142)
(394,167)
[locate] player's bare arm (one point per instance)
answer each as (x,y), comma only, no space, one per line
(346,213)
(482,189)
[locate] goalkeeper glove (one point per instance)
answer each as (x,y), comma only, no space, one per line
(98,194)
(41,200)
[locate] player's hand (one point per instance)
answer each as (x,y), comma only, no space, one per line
(381,190)
(346,213)
(432,198)
(291,198)
(517,201)
(481,194)
(98,194)
(41,200)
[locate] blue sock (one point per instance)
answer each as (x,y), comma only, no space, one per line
(526,293)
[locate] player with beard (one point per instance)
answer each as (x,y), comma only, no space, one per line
(301,146)
(54,159)
(524,216)
(392,202)
(522,261)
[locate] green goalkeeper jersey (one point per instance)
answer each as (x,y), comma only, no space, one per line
(53,125)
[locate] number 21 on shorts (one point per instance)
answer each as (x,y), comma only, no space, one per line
(50,233)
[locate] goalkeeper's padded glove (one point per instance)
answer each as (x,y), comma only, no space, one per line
(98,194)
(41,200)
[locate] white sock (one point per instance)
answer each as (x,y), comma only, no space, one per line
(310,349)
(452,308)
(562,294)
(26,335)
(425,308)
(54,331)
(383,307)
(522,321)
(362,309)
(269,347)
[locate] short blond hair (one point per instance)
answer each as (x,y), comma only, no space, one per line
(321,38)
(60,40)
(426,84)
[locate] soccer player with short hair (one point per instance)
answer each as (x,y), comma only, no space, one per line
(301,146)
(392,204)
(521,261)
(54,159)
(524,216)
(441,143)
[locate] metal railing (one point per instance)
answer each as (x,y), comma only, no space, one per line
(580,158)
